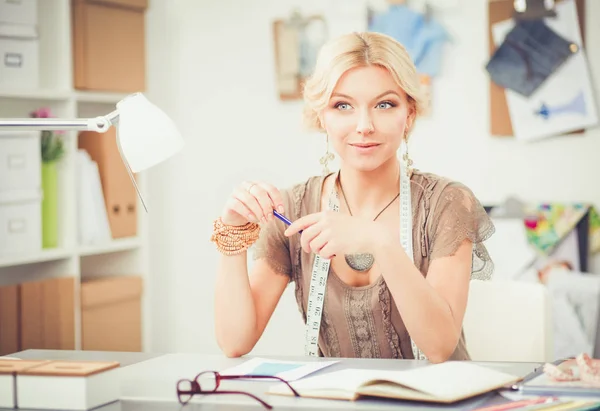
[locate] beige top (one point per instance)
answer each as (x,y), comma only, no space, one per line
(364,321)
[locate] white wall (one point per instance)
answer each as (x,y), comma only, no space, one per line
(211,67)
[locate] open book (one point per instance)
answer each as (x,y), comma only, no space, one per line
(446,382)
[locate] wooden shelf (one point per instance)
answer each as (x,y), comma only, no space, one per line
(63,95)
(56,91)
(43,256)
(98,97)
(50,95)
(121,244)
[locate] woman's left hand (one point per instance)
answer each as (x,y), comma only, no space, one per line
(329,233)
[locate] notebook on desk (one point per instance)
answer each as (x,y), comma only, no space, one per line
(445,383)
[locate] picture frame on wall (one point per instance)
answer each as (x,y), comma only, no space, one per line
(297,41)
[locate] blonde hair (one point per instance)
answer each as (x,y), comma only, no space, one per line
(359,50)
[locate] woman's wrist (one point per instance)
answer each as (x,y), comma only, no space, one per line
(233,239)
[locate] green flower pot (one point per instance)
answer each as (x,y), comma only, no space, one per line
(49,205)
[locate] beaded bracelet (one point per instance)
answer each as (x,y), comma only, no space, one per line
(231,239)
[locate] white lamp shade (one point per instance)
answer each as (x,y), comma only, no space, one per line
(147,136)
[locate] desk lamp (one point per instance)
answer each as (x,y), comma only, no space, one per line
(146,136)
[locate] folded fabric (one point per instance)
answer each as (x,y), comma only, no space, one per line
(554,221)
(422,36)
(588,370)
(530,53)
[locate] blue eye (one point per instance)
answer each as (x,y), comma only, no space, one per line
(342,106)
(385,104)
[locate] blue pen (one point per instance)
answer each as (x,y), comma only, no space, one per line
(283,218)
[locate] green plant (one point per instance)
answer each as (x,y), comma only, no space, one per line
(52,144)
(52,147)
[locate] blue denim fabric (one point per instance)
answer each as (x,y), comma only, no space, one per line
(423,38)
(529,55)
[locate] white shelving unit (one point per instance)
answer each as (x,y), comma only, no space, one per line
(123,256)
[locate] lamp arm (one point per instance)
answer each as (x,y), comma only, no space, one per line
(99,124)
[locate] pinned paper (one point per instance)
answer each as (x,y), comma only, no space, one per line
(565,102)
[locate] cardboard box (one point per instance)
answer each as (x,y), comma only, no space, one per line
(111,314)
(9,320)
(119,192)
(109,45)
(47,310)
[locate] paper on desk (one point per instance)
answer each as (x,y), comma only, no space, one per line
(288,370)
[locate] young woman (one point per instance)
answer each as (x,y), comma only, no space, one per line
(395,248)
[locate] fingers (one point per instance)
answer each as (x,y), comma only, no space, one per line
(237,206)
(260,199)
(256,214)
(252,202)
(308,236)
(303,223)
(328,251)
(274,195)
(319,242)
(263,199)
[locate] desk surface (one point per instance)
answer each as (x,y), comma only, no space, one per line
(149,381)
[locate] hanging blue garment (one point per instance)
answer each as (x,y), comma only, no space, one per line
(422,37)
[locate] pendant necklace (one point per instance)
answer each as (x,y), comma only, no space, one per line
(361,261)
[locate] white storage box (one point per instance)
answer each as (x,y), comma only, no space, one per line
(19,56)
(19,12)
(20,222)
(20,161)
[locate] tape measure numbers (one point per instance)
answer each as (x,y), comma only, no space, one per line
(316,294)
(316,297)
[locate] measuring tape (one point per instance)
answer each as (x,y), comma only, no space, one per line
(316,295)
(320,269)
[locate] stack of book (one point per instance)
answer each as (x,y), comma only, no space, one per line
(64,385)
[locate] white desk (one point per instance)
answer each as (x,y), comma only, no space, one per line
(149,382)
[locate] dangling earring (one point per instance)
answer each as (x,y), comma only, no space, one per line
(327,157)
(405,157)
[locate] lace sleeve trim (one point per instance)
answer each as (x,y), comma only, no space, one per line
(459,216)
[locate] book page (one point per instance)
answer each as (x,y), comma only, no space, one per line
(392,390)
(446,382)
(343,383)
(454,380)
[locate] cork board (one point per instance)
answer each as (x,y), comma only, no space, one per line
(499,10)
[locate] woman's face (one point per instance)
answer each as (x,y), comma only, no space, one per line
(366,118)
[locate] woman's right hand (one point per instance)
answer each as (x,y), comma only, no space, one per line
(252,202)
